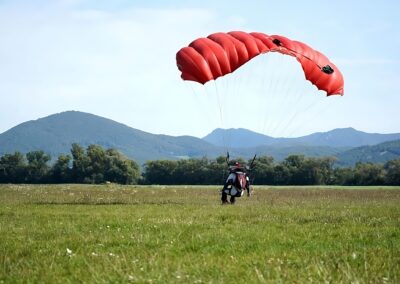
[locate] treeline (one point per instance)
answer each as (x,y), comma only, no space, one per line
(294,170)
(97,165)
(91,165)
(301,170)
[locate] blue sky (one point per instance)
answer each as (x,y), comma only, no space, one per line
(117,59)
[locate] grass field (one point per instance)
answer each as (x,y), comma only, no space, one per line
(157,234)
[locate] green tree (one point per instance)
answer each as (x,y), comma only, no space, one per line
(119,169)
(369,174)
(327,165)
(315,171)
(392,169)
(294,164)
(37,169)
(282,174)
(61,170)
(263,171)
(217,171)
(13,168)
(79,164)
(192,171)
(160,172)
(96,164)
(343,176)
(294,161)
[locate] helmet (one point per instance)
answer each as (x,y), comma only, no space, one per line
(234,163)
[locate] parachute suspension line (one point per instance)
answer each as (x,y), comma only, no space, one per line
(284,93)
(266,92)
(322,109)
(274,95)
(260,92)
(190,87)
(296,102)
(199,101)
(306,109)
(221,115)
(238,83)
(251,73)
(294,114)
(268,95)
(290,98)
(280,95)
(195,95)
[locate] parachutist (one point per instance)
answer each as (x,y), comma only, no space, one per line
(236,183)
(220,54)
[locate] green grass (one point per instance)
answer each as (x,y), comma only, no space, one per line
(182,235)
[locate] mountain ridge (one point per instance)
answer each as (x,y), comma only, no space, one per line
(339,137)
(379,153)
(55,134)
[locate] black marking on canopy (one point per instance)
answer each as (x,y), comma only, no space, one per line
(277,42)
(327,69)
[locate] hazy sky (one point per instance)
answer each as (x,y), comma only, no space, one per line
(117,59)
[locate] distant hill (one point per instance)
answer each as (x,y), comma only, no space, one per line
(380,153)
(55,133)
(279,153)
(347,137)
(238,138)
(341,137)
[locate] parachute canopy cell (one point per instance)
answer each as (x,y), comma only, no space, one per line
(219,54)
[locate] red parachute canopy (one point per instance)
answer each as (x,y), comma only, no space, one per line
(219,54)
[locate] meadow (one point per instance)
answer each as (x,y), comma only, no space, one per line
(181,234)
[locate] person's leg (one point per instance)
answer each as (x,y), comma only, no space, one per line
(224,197)
(232,199)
